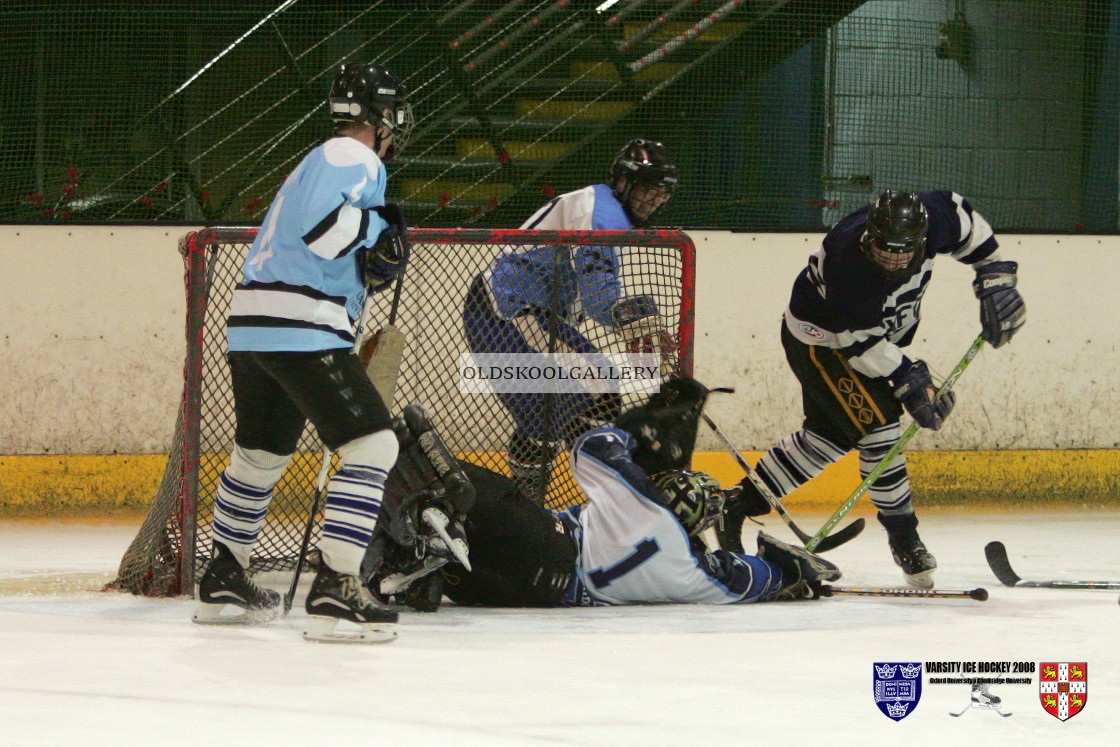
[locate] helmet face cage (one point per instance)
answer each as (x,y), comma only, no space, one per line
(370,94)
(694,497)
(647,163)
(894,241)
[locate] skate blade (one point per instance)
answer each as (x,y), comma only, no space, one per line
(923,580)
(322,629)
(230,614)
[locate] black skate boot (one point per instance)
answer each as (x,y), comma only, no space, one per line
(530,465)
(335,597)
(909,551)
(802,571)
(226,584)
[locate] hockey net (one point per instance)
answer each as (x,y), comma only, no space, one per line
(173,543)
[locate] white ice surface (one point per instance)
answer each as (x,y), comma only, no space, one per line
(82,667)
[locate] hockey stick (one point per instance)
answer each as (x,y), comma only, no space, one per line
(980,595)
(291,595)
(881,467)
(844,535)
(996,554)
(986,708)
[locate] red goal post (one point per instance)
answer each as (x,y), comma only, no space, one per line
(173,543)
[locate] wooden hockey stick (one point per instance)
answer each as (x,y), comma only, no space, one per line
(881,467)
(844,535)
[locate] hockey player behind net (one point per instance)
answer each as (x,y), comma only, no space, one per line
(327,240)
(507,309)
(638,539)
(852,311)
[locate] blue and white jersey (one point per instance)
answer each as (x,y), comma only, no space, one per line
(302,287)
(632,549)
(841,302)
(521,280)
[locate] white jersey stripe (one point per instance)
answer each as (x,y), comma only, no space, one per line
(283,304)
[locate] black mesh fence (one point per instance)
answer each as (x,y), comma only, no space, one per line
(782,115)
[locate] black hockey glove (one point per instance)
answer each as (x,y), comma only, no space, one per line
(914,389)
(1002,311)
(386,260)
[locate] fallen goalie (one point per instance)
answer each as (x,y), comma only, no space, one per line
(649,532)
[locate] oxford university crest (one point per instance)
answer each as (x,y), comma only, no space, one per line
(897,687)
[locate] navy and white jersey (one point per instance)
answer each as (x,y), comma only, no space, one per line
(521,280)
(632,549)
(302,287)
(840,301)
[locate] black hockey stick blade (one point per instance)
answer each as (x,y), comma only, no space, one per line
(834,540)
(1001,566)
(996,554)
(978,594)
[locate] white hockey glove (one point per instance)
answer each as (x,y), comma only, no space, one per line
(637,322)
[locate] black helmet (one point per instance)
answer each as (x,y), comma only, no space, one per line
(370,94)
(644,162)
(895,239)
(694,497)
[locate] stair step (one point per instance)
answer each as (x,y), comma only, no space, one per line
(444,190)
(558,109)
(518,150)
(605,71)
(716,33)
(520,127)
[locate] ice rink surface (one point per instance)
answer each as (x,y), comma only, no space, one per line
(84,667)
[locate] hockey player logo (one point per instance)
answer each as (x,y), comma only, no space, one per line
(1061,688)
(897,687)
(982,698)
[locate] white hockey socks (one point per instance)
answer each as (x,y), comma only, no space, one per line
(244,492)
(891,491)
(796,459)
(354,496)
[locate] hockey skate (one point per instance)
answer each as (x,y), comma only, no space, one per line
(981,698)
(337,598)
(225,587)
(802,571)
(909,553)
(913,558)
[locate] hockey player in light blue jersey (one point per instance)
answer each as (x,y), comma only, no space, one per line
(507,307)
(327,240)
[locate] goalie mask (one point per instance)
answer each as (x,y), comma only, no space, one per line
(643,178)
(894,241)
(371,95)
(694,497)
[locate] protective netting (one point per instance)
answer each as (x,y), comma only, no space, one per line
(433,312)
(782,114)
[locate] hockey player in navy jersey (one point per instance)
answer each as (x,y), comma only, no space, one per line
(853,310)
(506,309)
(638,539)
(327,240)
